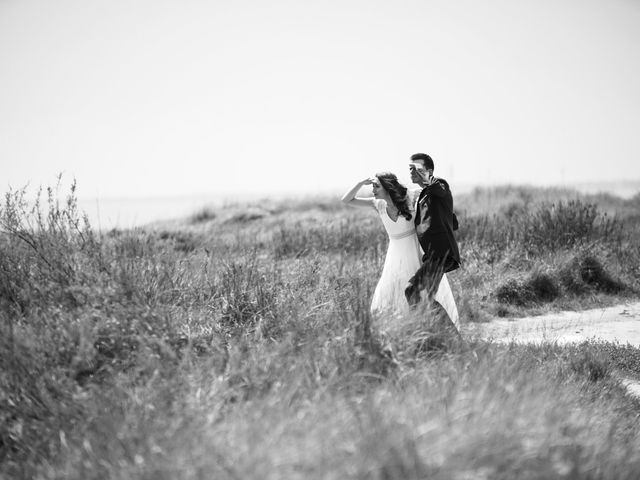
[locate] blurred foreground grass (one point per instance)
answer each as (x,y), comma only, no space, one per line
(238,344)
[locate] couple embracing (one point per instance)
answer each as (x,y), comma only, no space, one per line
(422,247)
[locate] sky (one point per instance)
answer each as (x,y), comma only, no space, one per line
(138,98)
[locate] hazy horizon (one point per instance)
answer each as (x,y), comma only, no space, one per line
(105,213)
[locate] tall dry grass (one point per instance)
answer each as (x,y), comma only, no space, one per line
(240,345)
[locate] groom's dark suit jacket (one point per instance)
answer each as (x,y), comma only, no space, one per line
(435,223)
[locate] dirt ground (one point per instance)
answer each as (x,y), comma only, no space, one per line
(620,324)
(613,324)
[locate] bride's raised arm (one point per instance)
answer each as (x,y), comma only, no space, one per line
(350,197)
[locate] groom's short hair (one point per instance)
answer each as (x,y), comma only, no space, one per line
(424,158)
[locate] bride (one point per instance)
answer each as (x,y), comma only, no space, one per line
(396,210)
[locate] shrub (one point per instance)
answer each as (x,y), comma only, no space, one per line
(182,241)
(515,292)
(584,272)
(593,273)
(549,227)
(203,215)
(559,225)
(246,295)
(544,287)
(589,363)
(249,215)
(537,288)
(45,252)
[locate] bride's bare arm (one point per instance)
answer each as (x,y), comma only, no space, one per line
(350,197)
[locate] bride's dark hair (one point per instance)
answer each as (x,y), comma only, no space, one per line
(396,191)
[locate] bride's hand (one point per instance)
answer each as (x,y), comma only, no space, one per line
(367,181)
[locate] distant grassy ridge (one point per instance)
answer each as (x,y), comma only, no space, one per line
(507,197)
(238,344)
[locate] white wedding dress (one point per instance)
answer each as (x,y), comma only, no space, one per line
(401,262)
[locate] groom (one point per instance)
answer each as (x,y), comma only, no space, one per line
(435,223)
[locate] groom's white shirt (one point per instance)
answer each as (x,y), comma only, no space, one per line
(414,193)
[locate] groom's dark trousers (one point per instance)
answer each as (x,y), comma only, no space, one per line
(426,279)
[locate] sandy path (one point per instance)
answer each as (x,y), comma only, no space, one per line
(613,324)
(620,323)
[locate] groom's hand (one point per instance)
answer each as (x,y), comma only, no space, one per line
(419,171)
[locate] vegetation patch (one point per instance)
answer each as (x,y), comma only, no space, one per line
(590,363)
(248,215)
(584,273)
(203,215)
(245,349)
(537,288)
(593,273)
(182,241)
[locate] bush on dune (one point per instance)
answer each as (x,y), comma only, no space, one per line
(593,273)
(548,227)
(46,254)
(581,274)
(584,273)
(539,287)
(205,214)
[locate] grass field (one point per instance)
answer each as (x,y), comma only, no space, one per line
(238,344)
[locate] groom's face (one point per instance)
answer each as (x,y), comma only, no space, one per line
(418,173)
